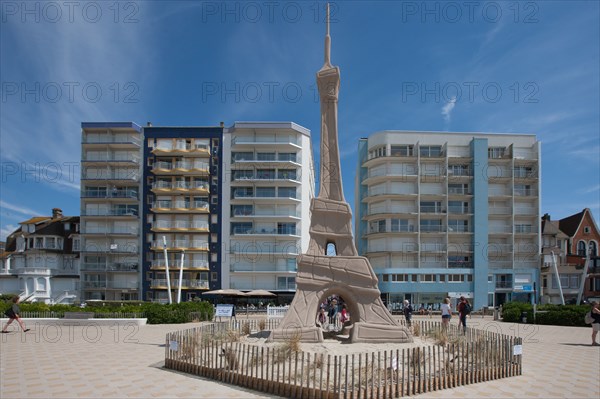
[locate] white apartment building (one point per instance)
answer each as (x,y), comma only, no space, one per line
(449,214)
(268,182)
(110,221)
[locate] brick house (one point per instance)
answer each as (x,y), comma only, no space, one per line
(583,239)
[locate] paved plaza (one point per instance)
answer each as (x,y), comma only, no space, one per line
(126,362)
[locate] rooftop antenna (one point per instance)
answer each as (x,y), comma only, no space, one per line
(327,42)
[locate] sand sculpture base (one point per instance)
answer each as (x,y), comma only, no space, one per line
(352,278)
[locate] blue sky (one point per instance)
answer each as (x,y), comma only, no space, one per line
(512,67)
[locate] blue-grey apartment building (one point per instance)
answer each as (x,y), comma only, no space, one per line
(450,214)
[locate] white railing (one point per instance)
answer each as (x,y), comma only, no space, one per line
(276,312)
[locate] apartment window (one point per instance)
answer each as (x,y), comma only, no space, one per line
(286,283)
(523,228)
(455,278)
(581,248)
(241,228)
(461,189)
(458,207)
(567,281)
(459,261)
(286,228)
(504,281)
(545,282)
(241,210)
(428,278)
(242,156)
(242,175)
(490,278)
(400,225)
(458,226)
(377,226)
(265,192)
(401,150)
(265,156)
(241,192)
(523,171)
(39,242)
(214,276)
(378,152)
(430,151)
(286,192)
(265,174)
(287,156)
(458,170)
(287,174)
(442,278)
(386,278)
(430,225)
(76,244)
(496,152)
(431,206)
(523,190)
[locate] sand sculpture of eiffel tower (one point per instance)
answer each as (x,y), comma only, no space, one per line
(345,274)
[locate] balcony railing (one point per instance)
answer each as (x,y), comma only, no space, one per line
(110,194)
(175,166)
(265,140)
(162,283)
(107,175)
(184,244)
(243,231)
(179,186)
(194,264)
(459,210)
(459,191)
(499,210)
(110,212)
(110,139)
(525,192)
(111,158)
(111,266)
(504,284)
(460,264)
(239,213)
(432,209)
(182,225)
(432,229)
(166,204)
(500,229)
(110,230)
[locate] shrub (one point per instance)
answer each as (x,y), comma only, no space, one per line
(557,315)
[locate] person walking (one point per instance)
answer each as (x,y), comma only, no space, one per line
(464,308)
(408,311)
(446,313)
(13,314)
(596,323)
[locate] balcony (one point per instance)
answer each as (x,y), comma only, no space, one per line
(404,173)
(267,232)
(115,249)
(280,199)
(459,191)
(432,229)
(162,187)
(500,210)
(525,229)
(122,176)
(126,213)
(266,215)
(498,192)
(117,140)
(180,245)
(432,247)
(162,225)
(271,141)
(124,231)
(432,209)
(183,149)
(393,229)
(159,264)
(383,194)
(180,168)
(459,229)
(495,250)
(460,210)
(499,229)
(504,285)
(268,250)
(166,206)
(266,178)
(268,161)
(525,192)
(460,264)
(111,285)
(185,284)
(110,194)
(106,159)
(131,267)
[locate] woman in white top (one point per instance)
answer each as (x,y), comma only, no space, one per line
(446,313)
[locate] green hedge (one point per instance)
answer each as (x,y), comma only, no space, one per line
(155,313)
(556,315)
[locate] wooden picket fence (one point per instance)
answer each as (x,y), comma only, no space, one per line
(211,351)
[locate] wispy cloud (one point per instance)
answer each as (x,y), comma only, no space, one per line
(19,209)
(447,109)
(589,190)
